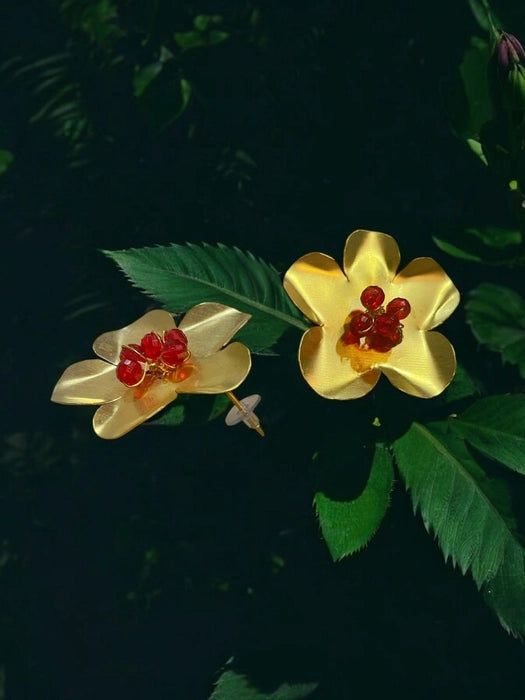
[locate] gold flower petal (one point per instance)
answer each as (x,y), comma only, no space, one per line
(430,291)
(329,374)
(217,373)
(112,420)
(317,286)
(88,382)
(108,345)
(423,365)
(209,326)
(370,257)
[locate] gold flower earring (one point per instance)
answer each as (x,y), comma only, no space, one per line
(146,365)
(371,319)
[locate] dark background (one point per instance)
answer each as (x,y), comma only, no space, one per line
(136,568)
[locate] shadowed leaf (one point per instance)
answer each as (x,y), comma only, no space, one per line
(233,685)
(495,426)
(496,315)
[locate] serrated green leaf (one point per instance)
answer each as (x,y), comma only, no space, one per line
(495,426)
(468,513)
(496,316)
(505,593)
(347,526)
(180,276)
(233,685)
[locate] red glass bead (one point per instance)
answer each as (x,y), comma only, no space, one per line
(349,338)
(174,335)
(175,354)
(379,343)
(151,346)
(372,297)
(398,307)
(389,328)
(132,352)
(130,372)
(360,324)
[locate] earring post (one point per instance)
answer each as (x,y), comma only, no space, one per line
(247,416)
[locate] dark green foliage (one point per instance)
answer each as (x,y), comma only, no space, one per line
(468,99)
(6,160)
(495,426)
(233,685)
(462,386)
(488,245)
(55,97)
(496,315)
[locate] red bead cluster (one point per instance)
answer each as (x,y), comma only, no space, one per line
(156,355)
(376,328)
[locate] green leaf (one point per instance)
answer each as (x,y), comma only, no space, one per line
(165,97)
(233,685)
(175,415)
(221,403)
(190,40)
(479,244)
(455,250)
(204,22)
(204,33)
(496,237)
(476,148)
(484,14)
(144,76)
(495,426)
(505,593)
(469,515)
(496,316)
(181,276)
(6,160)
(347,526)
(462,386)
(468,98)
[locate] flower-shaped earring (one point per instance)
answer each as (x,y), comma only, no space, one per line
(145,366)
(372,319)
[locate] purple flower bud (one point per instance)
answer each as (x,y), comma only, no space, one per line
(510,51)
